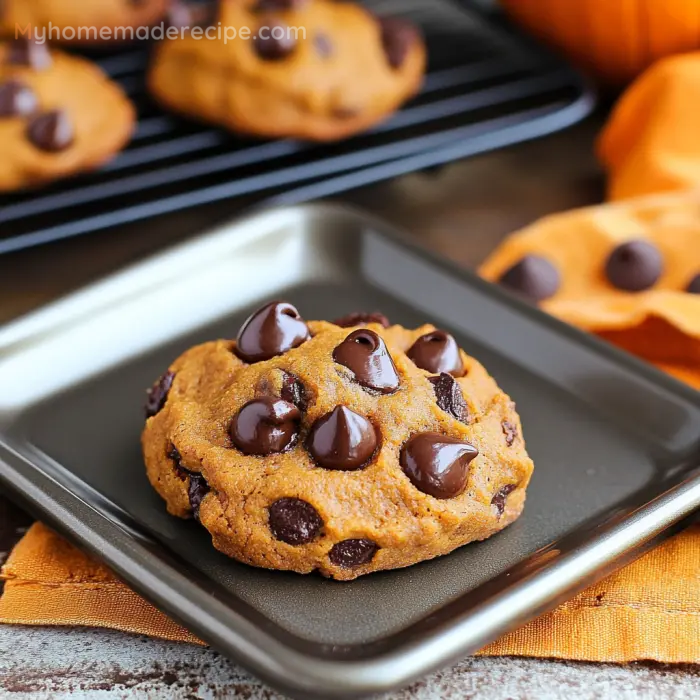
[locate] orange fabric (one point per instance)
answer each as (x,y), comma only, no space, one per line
(661,324)
(651,143)
(614,40)
(649,610)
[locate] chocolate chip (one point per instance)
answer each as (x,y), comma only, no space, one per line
(196,492)
(198,487)
(534,277)
(450,397)
(280,5)
(398,37)
(17,99)
(351,553)
(694,285)
(634,266)
(265,426)
(436,464)
(28,52)
(157,395)
(342,440)
(324,46)
(274,41)
(499,500)
(360,318)
(510,430)
(294,521)
(365,354)
(293,391)
(272,330)
(437,352)
(51,131)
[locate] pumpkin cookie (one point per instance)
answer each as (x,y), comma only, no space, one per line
(311,69)
(346,450)
(628,272)
(59,115)
(81,22)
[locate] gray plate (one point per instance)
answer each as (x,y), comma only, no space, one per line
(616,446)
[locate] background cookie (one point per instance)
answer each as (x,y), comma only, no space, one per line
(350,71)
(310,447)
(629,272)
(72,14)
(59,115)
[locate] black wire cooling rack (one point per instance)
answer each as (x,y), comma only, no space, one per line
(485,89)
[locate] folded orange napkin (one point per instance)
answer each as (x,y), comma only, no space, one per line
(649,610)
(651,143)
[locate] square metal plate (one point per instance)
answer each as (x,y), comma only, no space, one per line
(616,446)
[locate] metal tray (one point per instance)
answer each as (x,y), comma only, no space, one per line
(486,88)
(616,446)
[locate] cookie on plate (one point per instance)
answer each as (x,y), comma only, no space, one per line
(59,115)
(81,21)
(312,69)
(629,272)
(343,450)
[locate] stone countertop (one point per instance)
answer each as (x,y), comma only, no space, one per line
(462,210)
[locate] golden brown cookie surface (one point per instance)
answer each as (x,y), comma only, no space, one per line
(59,116)
(312,69)
(81,21)
(310,447)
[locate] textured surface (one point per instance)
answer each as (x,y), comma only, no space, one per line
(212,384)
(334,79)
(110,665)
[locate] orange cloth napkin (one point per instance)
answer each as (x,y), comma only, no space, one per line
(649,610)
(651,143)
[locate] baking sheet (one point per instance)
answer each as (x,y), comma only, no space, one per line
(608,436)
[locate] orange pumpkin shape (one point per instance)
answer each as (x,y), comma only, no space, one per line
(613,40)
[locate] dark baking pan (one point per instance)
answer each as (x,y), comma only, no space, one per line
(616,446)
(486,88)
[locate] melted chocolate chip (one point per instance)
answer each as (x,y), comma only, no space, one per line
(634,266)
(694,285)
(294,521)
(342,440)
(265,426)
(437,352)
(436,464)
(196,492)
(323,45)
(365,354)
(533,277)
(450,397)
(280,5)
(198,487)
(293,391)
(510,430)
(351,553)
(51,131)
(157,395)
(16,99)
(499,499)
(27,52)
(360,318)
(398,37)
(272,330)
(274,41)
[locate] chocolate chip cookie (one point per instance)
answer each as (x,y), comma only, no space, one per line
(59,115)
(343,450)
(80,21)
(312,69)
